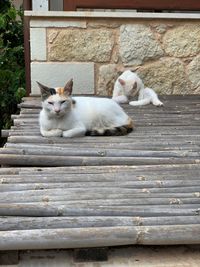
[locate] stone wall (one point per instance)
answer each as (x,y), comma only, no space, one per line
(94,51)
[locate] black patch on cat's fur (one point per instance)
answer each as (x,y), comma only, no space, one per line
(73,101)
(117,131)
(52,91)
(92,133)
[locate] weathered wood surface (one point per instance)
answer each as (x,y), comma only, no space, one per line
(143,188)
(165,135)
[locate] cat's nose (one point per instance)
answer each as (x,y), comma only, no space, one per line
(57,111)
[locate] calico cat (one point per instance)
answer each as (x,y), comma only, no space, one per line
(65,116)
(129,85)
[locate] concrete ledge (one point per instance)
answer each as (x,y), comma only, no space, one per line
(57,74)
(111,14)
(38,43)
(43,23)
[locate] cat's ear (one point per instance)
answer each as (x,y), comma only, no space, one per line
(121,81)
(45,91)
(68,87)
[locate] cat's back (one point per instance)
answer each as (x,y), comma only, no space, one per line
(95,104)
(93,101)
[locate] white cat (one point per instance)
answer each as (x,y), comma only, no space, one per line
(128,85)
(64,116)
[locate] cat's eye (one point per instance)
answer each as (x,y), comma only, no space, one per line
(62,102)
(51,103)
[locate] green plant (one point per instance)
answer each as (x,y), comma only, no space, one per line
(12,69)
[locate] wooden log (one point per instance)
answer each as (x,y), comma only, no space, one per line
(30,223)
(95,152)
(140,132)
(123,200)
(35,160)
(137,112)
(185,119)
(129,146)
(58,177)
(56,196)
(142,172)
(137,135)
(177,116)
(4,133)
(64,179)
(99,237)
(168,168)
(168,123)
(53,209)
(92,140)
(171,169)
(24,133)
(151,117)
(138,115)
(107,184)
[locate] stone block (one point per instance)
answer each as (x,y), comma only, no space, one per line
(138,44)
(165,76)
(38,44)
(106,79)
(182,41)
(80,45)
(57,74)
(194,73)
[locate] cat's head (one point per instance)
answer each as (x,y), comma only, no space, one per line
(57,101)
(132,85)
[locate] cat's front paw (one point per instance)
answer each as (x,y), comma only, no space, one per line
(76,132)
(51,133)
(133,103)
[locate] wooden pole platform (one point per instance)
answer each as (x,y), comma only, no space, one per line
(143,188)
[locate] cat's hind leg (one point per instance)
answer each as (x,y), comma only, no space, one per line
(153,96)
(156,102)
(115,130)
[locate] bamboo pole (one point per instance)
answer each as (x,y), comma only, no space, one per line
(88,196)
(104,184)
(96,237)
(37,160)
(95,152)
(11,223)
(56,209)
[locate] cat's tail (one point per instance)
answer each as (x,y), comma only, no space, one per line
(119,130)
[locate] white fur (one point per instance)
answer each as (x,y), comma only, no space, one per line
(88,113)
(124,89)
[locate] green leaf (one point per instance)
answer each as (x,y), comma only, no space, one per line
(12,13)
(2,22)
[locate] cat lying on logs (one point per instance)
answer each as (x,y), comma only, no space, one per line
(67,116)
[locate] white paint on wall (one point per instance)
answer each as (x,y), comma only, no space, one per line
(38,44)
(113,15)
(55,74)
(40,5)
(57,24)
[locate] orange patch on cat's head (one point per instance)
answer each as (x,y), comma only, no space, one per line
(60,91)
